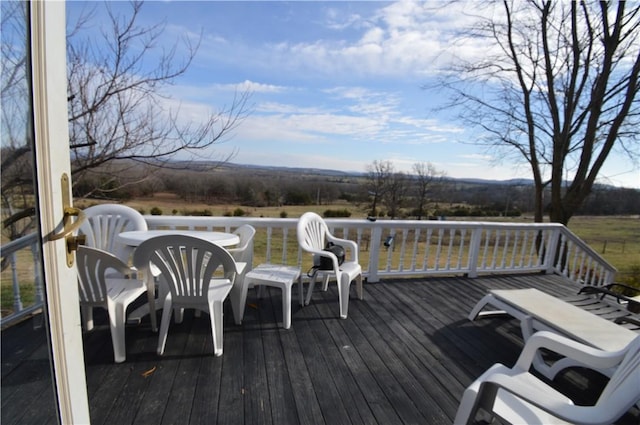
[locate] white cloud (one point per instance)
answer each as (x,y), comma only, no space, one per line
(477,157)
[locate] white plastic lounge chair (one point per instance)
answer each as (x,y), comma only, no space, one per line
(199,275)
(516,396)
(619,296)
(313,235)
(102,224)
(111,292)
(538,310)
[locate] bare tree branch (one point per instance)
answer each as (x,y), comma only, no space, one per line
(560,92)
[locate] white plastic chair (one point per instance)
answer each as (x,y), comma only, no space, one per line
(115,294)
(243,255)
(313,235)
(199,275)
(243,252)
(102,224)
(519,397)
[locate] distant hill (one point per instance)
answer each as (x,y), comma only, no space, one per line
(230,167)
(337,173)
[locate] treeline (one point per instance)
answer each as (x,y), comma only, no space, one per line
(261,187)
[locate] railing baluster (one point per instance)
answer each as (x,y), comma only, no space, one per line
(17,299)
(414,252)
(463,234)
(392,234)
(285,234)
(269,234)
(514,251)
(439,249)
(427,243)
(485,251)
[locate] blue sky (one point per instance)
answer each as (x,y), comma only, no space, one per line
(335,84)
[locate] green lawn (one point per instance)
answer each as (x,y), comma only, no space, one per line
(617,239)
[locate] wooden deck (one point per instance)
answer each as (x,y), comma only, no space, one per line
(404,356)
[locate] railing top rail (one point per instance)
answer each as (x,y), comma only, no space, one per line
(19,244)
(155,220)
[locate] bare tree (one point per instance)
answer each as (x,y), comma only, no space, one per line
(560,91)
(16,134)
(119,109)
(425,173)
(117,103)
(395,193)
(378,175)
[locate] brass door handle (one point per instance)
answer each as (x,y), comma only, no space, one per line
(69,225)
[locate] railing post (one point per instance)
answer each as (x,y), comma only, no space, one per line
(552,247)
(374,253)
(474,251)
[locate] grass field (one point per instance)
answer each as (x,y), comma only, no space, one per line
(615,238)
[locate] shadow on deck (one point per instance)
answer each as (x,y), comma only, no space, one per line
(404,356)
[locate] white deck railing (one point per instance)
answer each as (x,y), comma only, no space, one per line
(23,257)
(398,248)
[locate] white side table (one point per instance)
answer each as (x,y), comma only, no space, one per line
(278,276)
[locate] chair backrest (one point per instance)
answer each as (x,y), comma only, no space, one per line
(104,222)
(187,264)
(623,389)
(92,266)
(243,253)
(311,232)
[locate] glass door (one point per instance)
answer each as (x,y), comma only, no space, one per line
(36,189)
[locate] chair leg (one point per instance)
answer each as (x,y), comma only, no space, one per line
(238,297)
(312,282)
(164,325)
(286,306)
(178,315)
(325,282)
(468,406)
(87,317)
(359,288)
(116,323)
(343,294)
(215,313)
(151,300)
(300,291)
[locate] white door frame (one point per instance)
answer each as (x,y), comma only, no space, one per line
(52,160)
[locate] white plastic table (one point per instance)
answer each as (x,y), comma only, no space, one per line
(136,237)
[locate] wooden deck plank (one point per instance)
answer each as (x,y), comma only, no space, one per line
(354,362)
(392,352)
(404,355)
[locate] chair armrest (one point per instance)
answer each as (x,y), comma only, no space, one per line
(623,286)
(606,290)
(627,319)
(347,244)
(544,398)
(589,356)
(110,261)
